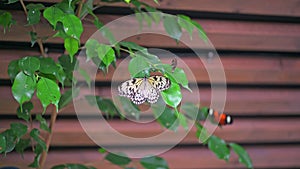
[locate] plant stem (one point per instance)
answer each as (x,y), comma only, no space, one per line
(39,40)
(48,138)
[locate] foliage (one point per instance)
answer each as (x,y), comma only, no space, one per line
(49,79)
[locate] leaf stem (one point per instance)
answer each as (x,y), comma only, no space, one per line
(39,40)
(48,138)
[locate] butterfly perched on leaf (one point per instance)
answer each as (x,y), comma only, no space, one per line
(139,90)
(220,118)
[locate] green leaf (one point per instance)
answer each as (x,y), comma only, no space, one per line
(186,23)
(23,88)
(107,106)
(67,64)
(102,150)
(172,96)
(71,166)
(172,27)
(10,140)
(72,46)
(6,20)
(106,54)
(34,13)
(105,32)
(13,69)
(119,159)
(67,97)
(202,134)
(182,120)
(154,162)
(43,123)
(193,112)
(12,1)
(33,38)
(22,145)
(72,26)
(201,32)
(66,7)
(244,157)
(130,108)
(132,45)
(53,15)
(86,76)
(167,118)
(178,75)
(37,151)
(35,134)
(48,66)
(2,143)
(219,147)
(127,1)
(29,65)
(91,48)
(137,65)
(48,92)
(18,129)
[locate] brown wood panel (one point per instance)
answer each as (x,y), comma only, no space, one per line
(253,102)
(245,69)
(70,133)
(229,35)
(256,7)
(177,158)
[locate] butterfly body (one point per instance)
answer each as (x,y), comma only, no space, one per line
(220,118)
(144,89)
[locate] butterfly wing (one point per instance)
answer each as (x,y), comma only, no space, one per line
(160,83)
(130,87)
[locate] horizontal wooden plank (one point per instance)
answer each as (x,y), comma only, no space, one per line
(239,69)
(177,158)
(241,102)
(224,34)
(255,7)
(70,132)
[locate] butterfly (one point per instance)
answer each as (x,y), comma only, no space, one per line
(139,90)
(220,118)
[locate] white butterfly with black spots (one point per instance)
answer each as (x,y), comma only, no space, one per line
(139,90)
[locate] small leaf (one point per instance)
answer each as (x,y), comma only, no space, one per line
(72,46)
(119,159)
(132,45)
(91,48)
(107,106)
(13,69)
(72,166)
(33,38)
(53,15)
(178,75)
(22,145)
(10,140)
(172,27)
(23,88)
(137,65)
(172,96)
(29,65)
(43,123)
(86,76)
(72,26)
(6,20)
(244,157)
(202,134)
(106,54)
(182,120)
(105,32)
(67,97)
(102,150)
(48,66)
(12,1)
(201,32)
(154,162)
(18,129)
(127,1)
(219,147)
(130,108)
(186,23)
(34,13)
(193,112)
(37,151)
(35,134)
(48,92)
(2,143)
(167,118)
